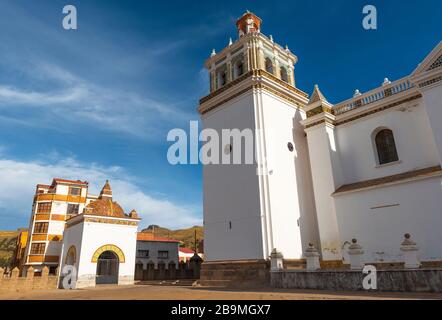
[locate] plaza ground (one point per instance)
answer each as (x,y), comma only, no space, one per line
(161,292)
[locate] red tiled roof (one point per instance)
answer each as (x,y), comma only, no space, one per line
(58,180)
(43,186)
(146,236)
(186,250)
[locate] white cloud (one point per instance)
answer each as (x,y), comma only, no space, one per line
(20,178)
(12,95)
(78,100)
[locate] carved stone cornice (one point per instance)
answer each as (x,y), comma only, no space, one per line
(259,79)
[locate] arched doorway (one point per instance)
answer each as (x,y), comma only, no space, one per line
(71,256)
(107,268)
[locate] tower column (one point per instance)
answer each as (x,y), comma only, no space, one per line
(326,172)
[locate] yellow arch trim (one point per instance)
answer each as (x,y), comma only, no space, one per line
(109,247)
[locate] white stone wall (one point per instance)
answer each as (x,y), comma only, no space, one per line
(433,105)
(291,203)
(262,210)
(231,193)
(327,176)
(412,134)
(346,154)
(88,237)
(415,209)
(154,247)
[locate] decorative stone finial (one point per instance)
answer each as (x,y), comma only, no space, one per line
(230,41)
(407,241)
(311,248)
(386,82)
(133,214)
(357,93)
(271,38)
(287,48)
(312,258)
(213,53)
(356,255)
(411,253)
(276,260)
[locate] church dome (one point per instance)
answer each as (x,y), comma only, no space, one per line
(105,207)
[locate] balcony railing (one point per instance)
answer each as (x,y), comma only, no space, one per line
(373,96)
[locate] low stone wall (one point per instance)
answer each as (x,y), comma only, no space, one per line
(12,281)
(235,274)
(422,280)
(172,272)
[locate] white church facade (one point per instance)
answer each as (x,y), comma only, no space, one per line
(368,168)
(87,238)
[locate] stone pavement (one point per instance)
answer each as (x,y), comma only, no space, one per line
(158,292)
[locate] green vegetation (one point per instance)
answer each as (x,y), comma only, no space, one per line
(8,241)
(186,236)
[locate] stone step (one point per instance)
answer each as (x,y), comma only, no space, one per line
(175,283)
(235,265)
(228,274)
(235,269)
(215,283)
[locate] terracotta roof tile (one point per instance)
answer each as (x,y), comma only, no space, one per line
(58,180)
(45,186)
(147,236)
(105,207)
(186,250)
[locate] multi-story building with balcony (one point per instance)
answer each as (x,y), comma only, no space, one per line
(53,205)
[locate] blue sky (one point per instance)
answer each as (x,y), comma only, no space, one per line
(97,102)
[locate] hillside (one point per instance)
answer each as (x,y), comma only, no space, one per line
(8,241)
(187,236)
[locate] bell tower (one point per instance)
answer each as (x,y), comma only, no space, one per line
(250,209)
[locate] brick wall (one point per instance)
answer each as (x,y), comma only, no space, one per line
(12,281)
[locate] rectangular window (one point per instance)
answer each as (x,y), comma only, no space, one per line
(44,207)
(38,248)
(73,208)
(163,254)
(41,227)
(143,253)
(74,191)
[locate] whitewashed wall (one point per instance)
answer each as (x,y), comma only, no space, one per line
(381,231)
(88,237)
(413,137)
(231,193)
(290,185)
(433,105)
(263,210)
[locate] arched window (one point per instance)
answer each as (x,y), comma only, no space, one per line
(386,147)
(269,65)
(222,78)
(238,68)
(284,75)
(71,256)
